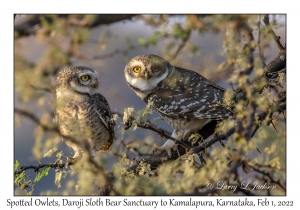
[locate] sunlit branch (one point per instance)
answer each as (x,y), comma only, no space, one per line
(270,31)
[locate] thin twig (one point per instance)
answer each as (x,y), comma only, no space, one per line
(261,54)
(269,176)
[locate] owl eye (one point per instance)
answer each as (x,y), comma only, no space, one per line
(155,68)
(85,78)
(137,69)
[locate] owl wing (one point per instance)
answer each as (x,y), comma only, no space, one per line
(103,111)
(186,94)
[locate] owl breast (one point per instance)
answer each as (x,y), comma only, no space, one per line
(67,119)
(82,121)
(93,128)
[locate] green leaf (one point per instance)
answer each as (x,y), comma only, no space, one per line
(20,177)
(193,49)
(152,41)
(16,165)
(179,32)
(153,38)
(141,41)
(41,174)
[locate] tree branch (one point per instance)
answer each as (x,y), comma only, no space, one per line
(161,132)
(40,166)
(269,176)
(276,64)
(31,25)
(270,30)
(35,119)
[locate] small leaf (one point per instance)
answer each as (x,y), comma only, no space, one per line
(20,177)
(141,41)
(179,32)
(16,165)
(193,49)
(41,174)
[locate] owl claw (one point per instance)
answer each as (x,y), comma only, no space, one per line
(167,146)
(71,159)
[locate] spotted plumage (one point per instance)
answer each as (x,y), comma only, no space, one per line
(184,98)
(82,113)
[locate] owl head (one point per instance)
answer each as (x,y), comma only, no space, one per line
(144,72)
(78,79)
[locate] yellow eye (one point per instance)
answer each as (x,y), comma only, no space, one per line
(85,78)
(137,69)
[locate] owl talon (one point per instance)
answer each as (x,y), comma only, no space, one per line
(217,133)
(167,146)
(71,159)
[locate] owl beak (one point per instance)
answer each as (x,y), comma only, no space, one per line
(146,75)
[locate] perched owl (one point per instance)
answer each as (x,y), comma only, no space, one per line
(184,98)
(81,112)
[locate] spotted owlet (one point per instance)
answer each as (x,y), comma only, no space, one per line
(184,98)
(82,113)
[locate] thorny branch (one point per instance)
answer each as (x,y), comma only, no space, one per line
(40,166)
(249,60)
(267,174)
(246,189)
